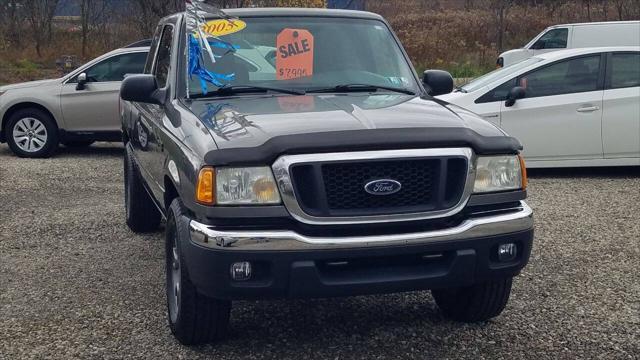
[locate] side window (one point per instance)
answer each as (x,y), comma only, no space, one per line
(498,94)
(625,70)
(565,77)
(152,51)
(163,59)
(116,67)
(552,39)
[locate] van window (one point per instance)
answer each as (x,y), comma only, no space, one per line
(552,39)
(564,77)
(625,70)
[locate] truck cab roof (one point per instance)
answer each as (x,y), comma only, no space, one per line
(302,12)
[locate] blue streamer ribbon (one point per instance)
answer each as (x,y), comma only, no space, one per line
(197,68)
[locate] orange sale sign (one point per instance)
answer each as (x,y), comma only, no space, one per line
(295,54)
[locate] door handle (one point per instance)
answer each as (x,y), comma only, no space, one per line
(588,109)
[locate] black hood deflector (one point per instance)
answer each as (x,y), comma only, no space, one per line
(364,140)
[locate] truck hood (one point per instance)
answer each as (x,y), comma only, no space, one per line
(30,84)
(251,121)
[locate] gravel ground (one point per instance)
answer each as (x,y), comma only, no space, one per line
(76,283)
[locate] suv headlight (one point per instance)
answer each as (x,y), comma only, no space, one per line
(237,186)
(500,173)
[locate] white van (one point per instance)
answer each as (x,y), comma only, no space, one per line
(571,36)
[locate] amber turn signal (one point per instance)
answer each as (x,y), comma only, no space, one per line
(523,168)
(206,186)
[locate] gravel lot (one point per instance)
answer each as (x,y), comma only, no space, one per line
(76,283)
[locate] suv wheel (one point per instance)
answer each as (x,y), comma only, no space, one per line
(193,317)
(478,302)
(32,133)
(142,214)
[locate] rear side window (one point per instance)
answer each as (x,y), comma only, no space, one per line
(116,67)
(565,77)
(163,59)
(625,70)
(552,39)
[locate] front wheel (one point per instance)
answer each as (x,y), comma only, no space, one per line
(32,133)
(478,302)
(193,318)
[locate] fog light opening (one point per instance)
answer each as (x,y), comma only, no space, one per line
(507,252)
(241,271)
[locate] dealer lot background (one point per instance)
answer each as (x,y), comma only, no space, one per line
(76,283)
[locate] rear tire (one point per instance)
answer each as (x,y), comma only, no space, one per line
(478,302)
(193,318)
(32,133)
(142,214)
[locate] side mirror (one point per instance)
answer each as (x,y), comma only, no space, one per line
(437,82)
(82,80)
(142,88)
(514,94)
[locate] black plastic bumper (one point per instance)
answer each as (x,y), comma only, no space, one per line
(355,271)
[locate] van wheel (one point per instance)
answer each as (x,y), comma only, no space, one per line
(32,133)
(477,302)
(142,214)
(193,318)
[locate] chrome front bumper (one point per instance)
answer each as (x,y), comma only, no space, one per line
(520,219)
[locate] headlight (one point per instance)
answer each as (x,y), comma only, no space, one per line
(499,173)
(251,185)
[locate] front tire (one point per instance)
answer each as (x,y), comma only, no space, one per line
(142,214)
(478,302)
(32,133)
(193,318)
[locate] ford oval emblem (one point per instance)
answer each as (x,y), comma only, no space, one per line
(382,187)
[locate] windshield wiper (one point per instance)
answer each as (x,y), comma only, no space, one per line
(459,89)
(239,89)
(361,87)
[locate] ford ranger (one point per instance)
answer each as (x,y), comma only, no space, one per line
(296,153)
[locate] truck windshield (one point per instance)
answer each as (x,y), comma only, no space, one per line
(300,54)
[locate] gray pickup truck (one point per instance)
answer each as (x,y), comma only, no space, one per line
(306,158)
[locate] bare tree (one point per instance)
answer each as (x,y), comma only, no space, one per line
(627,8)
(501,7)
(587,3)
(147,12)
(39,14)
(91,12)
(9,23)
(230,3)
